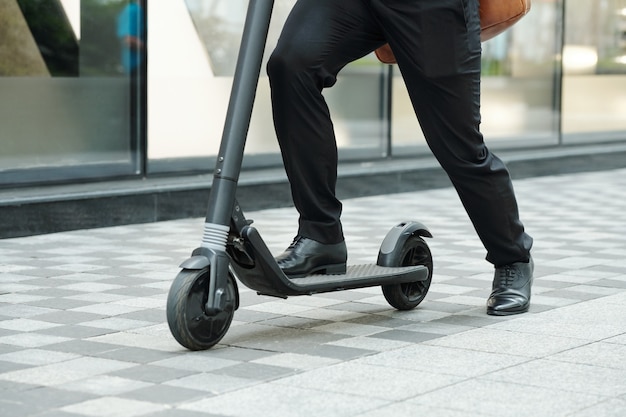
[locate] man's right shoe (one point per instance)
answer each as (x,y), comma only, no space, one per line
(306,256)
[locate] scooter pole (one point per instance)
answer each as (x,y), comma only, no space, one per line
(230,156)
(229,159)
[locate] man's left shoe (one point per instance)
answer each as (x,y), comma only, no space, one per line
(511,289)
(306,256)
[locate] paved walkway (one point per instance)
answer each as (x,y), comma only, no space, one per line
(83,330)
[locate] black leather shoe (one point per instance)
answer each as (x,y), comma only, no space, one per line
(306,256)
(511,289)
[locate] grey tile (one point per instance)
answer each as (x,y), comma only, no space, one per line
(76,331)
(43,398)
(238,354)
(59,303)
(255,371)
(378,320)
(136,355)
(152,314)
(469,320)
(53,292)
(195,362)
(13,408)
(611,283)
(165,394)
(66,317)
(136,291)
(406,336)
(6,366)
(250,316)
(83,347)
(294,322)
(436,305)
(10,386)
(153,373)
(359,307)
(182,413)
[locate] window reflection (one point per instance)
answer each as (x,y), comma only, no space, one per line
(518,90)
(594,68)
(67,101)
(190,77)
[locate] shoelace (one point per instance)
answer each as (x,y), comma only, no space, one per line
(295,242)
(506,276)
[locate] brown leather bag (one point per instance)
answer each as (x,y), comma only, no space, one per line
(496,16)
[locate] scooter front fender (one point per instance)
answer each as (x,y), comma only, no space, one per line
(196,262)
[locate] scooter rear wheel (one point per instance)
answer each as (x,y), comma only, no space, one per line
(188,321)
(407,296)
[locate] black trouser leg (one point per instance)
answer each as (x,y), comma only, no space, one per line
(319,38)
(480,177)
(439,58)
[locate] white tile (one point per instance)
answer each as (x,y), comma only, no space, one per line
(113,407)
(572,377)
(508,342)
(285,401)
(497,399)
(443,360)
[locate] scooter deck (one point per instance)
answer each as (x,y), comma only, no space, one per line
(359,276)
(356,273)
(267,278)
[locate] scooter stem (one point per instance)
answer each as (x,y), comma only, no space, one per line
(247,71)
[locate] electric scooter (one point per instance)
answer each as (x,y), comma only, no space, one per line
(204,296)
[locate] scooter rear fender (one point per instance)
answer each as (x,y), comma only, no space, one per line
(392,247)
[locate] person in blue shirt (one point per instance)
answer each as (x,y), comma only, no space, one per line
(131,30)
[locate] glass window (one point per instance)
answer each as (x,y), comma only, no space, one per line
(67,68)
(594,70)
(518,105)
(191,73)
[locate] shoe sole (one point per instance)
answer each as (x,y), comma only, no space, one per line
(492,312)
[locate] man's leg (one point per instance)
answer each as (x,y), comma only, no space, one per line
(319,38)
(441,68)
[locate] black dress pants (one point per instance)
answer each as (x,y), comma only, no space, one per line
(437,46)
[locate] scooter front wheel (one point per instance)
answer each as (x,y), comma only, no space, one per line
(187,318)
(407,296)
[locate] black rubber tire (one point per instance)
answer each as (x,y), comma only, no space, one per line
(186,316)
(408,296)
